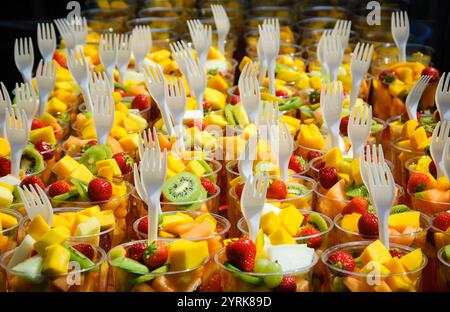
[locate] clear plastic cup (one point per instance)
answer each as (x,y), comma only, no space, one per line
(444,270)
(399,157)
(8,236)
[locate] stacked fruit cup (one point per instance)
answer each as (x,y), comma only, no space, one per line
(10,221)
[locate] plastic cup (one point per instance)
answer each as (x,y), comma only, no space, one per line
(8,236)
(444,270)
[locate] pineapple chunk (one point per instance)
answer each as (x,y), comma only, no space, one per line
(56,262)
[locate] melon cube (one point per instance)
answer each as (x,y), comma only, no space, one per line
(6,197)
(172,221)
(292,257)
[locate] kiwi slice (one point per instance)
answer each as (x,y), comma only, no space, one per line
(295,188)
(229,116)
(77,256)
(292,103)
(240,115)
(315,220)
(94,154)
(254,280)
(182,187)
(148,277)
(81,189)
(32,161)
(129,265)
(202,195)
(399,209)
(17,198)
(66,196)
(447,252)
(205,166)
(264,167)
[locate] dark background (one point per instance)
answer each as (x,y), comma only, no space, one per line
(18,19)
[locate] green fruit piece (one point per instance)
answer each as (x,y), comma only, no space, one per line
(266,266)
(66,196)
(94,154)
(205,165)
(296,188)
(117,252)
(315,220)
(17,198)
(355,191)
(183,187)
(292,103)
(31,161)
(240,115)
(77,256)
(148,277)
(120,86)
(447,252)
(376,127)
(229,116)
(399,209)
(314,106)
(129,265)
(254,280)
(30,269)
(338,284)
(203,194)
(81,188)
(264,167)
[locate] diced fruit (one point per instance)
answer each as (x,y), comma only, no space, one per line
(156,254)
(170,222)
(242,254)
(400,221)
(100,190)
(43,134)
(357,205)
(281,236)
(129,265)
(328,177)
(333,157)
(269,222)
(38,227)
(376,251)
(81,172)
(412,260)
(184,255)
(291,219)
(85,249)
(368,225)
(30,269)
(196,168)
(56,261)
(350,222)
(313,242)
(342,260)
(54,236)
(291,256)
(6,197)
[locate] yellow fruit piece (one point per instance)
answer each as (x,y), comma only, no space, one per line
(57,235)
(269,222)
(310,136)
(344,177)
(174,163)
(107,219)
(91,211)
(57,261)
(303,83)
(214,54)
(408,128)
(375,268)
(196,168)
(424,144)
(209,217)
(382,287)
(376,251)
(7,220)
(130,142)
(160,55)
(82,173)
(291,219)
(184,254)
(333,157)
(5,149)
(400,283)
(38,227)
(59,220)
(243,62)
(345,167)
(406,75)
(412,260)
(281,236)
(350,222)
(398,88)
(89,227)
(111,163)
(215,119)
(65,166)
(288,75)
(418,137)
(170,173)
(43,134)
(215,99)
(400,221)
(259,243)
(218,83)
(423,165)
(172,221)
(442,184)
(6,197)
(106,173)
(191,104)
(56,106)
(395,265)
(295,122)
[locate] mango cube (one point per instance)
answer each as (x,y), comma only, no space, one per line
(376,251)
(291,219)
(350,222)
(111,163)
(56,262)
(91,211)
(65,166)
(57,235)
(196,168)
(280,237)
(269,222)
(333,157)
(184,254)
(82,173)
(172,221)
(412,260)
(38,227)
(45,134)
(107,219)
(400,221)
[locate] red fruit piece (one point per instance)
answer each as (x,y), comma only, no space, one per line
(124,162)
(5,166)
(277,190)
(235,99)
(214,284)
(99,190)
(442,221)
(36,124)
(287,284)
(143,225)
(58,188)
(208,186)
(342,260)
(281,93)
(196,123)
(32,181)
(156,254)
(312,154)
(328,177)
(368,225)
(239,189)
(242,254)
(344,125)
(297,163)
(432,169)
(313,242)
(141,102)
(136,251)
(419,182)
(45,149)
(86,250)
(396,253)
(433,72)
(206,105)
(61,60)
(358,204)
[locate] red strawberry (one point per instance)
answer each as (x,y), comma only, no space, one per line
(124,162)
(312,154)
(5,166)
(277,190)
(297,163)
(141,102)
(344,125)
(442,221)
(36,124)
(136,251)
(32,181)
(396,253)
(239,189)
(45,149)
(281,93)
(235,99)
(358,204)
(242,254)
(143,225)
(368,225)
(319,165)
(61,60)
(156,254)
(433,72)
(206,105)
(313,242)
(432,169)
(86,250)
(287,284)
(99,190)
(208,186)
(328,177)
(58,188)
(214,284)
(342,260)
(196,123)
(419,182)
(236,167)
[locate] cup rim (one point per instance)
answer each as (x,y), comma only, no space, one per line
(440,256)
(412,195)
(232,163)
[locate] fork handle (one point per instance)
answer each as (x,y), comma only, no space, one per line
(122,71)
(221,43)
(15,162)
(402,49)
(153,210)
(333,73)
(26,76)
(383,229)
(199,99)
(168,122)
(272,77)
(262,71)
(42,103)
(356,84)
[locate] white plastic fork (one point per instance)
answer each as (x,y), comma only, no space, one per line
(78,67)
(249,92)
(156,85)
(16,131)
(262,61)
(246,158)
(103,115)
(146,140)
(197,80)
(176,102)
(149,180)
(440,135)
(100,85)
(201,36)
(381,188)
(222,25)
(331,98)
(252,203)
(108,53)
(66,32)
(24,57)
(446,159)
(45,80)
(400,32)
(269,36)
(359,127)
(333,55)
(282,139)
(414,96)
(5,102)
(123,55)
(342,30)
(180,51)
(442,96)
(320,51)
(26,100)
(141,44)
(359,65)
(80,29)
(46,39)
(268,119)
(36,202)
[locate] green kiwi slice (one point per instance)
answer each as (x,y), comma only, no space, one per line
(254,280)
(183,187)
(77,256)
(32,161)
(148,277)
(81,189)
(203,194)
(315,220)
(399,209)
(229,116)
(66,196)
(94,154)
(296,188)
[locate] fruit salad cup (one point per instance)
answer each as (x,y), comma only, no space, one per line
(371,267)
(10,221)
(444,267)
(180,266)
(428,195)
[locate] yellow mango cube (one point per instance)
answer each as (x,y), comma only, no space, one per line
(38,227)
(65,166)
(196,168)
(350,222)
(376,251)
(184,254)
(82,173)
(171,221)
(174,163)
(105,172)
(91,211)
(7,220)
(107,219)
(56,262)
(130,142)
(291,219)
(215,99)
(110,163)
(375,268)
(43,134)
(281,236)
(5,149)
(418,137)
(400,221)
(57,235)
(269,222)
(412,260)
(333,157)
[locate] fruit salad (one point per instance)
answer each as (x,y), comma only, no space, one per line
(9,226)
(158,266)
(427,194)
(441,229)
(444,267)
(371,267)
(262,266)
